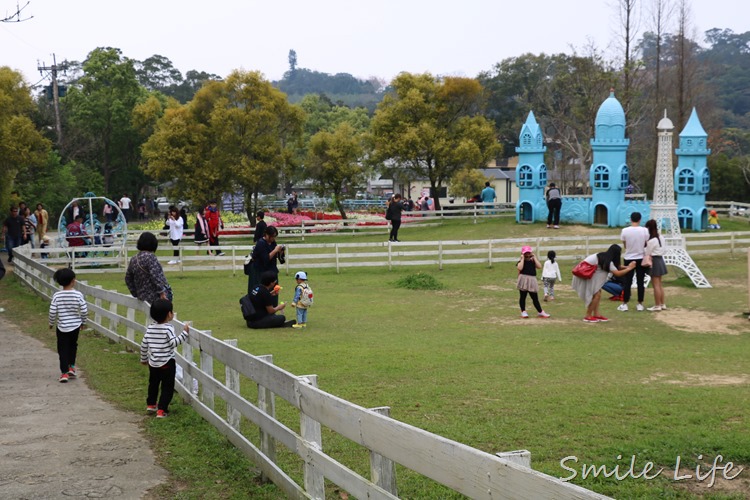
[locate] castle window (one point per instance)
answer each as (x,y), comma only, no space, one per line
(705,181)
(526,140)
(702,143)
(685,216)
(601,177)
(689,142)
(685,181)
(525,177)
(624,177)
(543,176)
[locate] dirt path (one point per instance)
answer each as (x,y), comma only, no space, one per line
(61,440)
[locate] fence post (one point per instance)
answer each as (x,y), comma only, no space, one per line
(475,213)
(179,258)
(129,332)
(338,271)
(207,367)
(234,263)
(382,469)
(303,230)
(518,457)
(113,323)
(390,256)
(440,255)
(731,244)
(98,304)
(489,252)
(190,383)
(233,384)
(267,404)
(310,431)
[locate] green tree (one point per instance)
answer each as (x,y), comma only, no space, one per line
(101,105)
(22,146)
(434,127)
(235,134)
(334,161)
(467,182)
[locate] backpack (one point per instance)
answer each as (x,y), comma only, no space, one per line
(305,296)
(247,307)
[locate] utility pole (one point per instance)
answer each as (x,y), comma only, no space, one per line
(55,93)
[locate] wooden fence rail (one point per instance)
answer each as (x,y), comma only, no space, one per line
(466,470)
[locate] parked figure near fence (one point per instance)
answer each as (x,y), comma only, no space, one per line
(144,277)
(527,284)
(634,237)
(264,300)
(42,219)
(29,227)
(158,352)
(12,232)
(68,310)
(265,256)
(554,204)
(655,249)
(590,290)
(200,231)
(215,224)
(176,225)
(393,214)
(550,274)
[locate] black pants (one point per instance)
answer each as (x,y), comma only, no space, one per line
(164,377)
(176,245)
(395,225)
(627,281)
(554,205)
(270,321)
(534,299)
(67,348)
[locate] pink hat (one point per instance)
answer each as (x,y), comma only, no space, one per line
(526,249)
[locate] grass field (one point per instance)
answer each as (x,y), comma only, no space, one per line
(461,363)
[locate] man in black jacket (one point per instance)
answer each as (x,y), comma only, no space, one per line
(393,214)
(263,297)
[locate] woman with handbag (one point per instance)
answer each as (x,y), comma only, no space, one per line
(657,268)
(590,289)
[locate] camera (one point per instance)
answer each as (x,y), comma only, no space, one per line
(282,255)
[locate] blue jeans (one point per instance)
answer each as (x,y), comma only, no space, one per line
(301,315)
(10,244)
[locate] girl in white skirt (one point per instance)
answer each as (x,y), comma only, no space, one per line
(527,284)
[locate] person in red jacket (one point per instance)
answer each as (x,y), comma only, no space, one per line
(213,219)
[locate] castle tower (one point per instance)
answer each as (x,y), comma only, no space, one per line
(664,208)
(531,173)
(609,175)
(692,179)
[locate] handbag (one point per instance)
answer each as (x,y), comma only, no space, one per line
(647,261)
(584,270)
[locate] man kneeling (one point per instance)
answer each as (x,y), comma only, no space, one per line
(266,304)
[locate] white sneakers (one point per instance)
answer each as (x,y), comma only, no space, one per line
(639,307)
(524,315)
(173,262)
(655,308)
(622,307)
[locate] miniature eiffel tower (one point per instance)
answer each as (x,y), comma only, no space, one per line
(664,209)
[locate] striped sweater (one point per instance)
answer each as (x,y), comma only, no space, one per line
(159,344)
(69,309)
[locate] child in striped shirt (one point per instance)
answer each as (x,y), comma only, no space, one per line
(68,308)
(158,350)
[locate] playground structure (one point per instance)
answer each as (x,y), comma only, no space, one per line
(96,242)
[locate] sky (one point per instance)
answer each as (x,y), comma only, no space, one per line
(379,38)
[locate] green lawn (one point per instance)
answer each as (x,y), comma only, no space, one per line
(461,363)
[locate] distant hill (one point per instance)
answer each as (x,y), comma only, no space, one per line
(341,88)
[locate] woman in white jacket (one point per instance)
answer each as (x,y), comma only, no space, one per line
(176,228)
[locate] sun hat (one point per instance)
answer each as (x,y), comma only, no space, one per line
(526,249)
(301,275)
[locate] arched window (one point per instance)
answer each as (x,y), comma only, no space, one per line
(689,142)
(705,181)
(685,216)
(624,177)
(525,177)
(526,140)
(685,181)
(543,176)
(601,177)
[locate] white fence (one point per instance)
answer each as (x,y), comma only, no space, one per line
(389,254)
(466,470)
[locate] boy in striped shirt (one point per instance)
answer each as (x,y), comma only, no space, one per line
(68,308)
(158,350)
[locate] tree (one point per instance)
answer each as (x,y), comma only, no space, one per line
(292,61)
(235,134)
(157,73)
(101,105)
(467,182)
(22,146)
(334,160)
(433,127)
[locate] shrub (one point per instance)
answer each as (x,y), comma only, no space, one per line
(419,281)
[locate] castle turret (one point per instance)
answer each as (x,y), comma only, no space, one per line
(531,173)
(692,179)
(609,175)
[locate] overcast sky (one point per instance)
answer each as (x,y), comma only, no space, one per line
(376,38)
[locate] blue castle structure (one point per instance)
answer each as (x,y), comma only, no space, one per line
(609,175)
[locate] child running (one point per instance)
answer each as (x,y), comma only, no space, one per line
(527,284)
(68,308)
(158,352)
(302,299)
(550,274)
